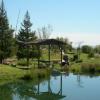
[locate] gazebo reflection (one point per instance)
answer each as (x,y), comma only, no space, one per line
(26,90)
(39,94)
(49,95)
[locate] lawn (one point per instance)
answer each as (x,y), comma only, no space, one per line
(9,73)
(87,64)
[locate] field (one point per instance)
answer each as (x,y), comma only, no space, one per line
(9,72)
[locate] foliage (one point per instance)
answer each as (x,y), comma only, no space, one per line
(6,35)
(22,62)
(26,35)
(97,49)
(27,77)
(87,49)
(44,32)
(90,67)
(91,54)
(75,57)
(66,48)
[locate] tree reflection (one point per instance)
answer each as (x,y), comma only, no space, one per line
(6,92)
(26,90)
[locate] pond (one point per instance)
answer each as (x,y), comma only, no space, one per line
(56,87)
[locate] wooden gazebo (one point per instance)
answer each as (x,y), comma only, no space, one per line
(49,43)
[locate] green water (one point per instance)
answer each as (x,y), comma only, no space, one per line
(57,87)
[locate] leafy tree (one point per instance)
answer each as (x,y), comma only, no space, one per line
(91,54)
(6,35)
(67,47)
(97,49)
(87,49)
(26,35)
(44,32)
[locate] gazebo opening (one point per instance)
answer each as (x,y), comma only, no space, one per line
(48,43)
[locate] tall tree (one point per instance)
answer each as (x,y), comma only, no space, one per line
(6,35)
(26,35)
(45,32)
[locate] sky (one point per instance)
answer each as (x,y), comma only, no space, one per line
(77,20)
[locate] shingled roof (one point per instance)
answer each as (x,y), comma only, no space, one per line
(43,42)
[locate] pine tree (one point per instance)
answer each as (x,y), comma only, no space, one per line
(26,35)
(6,35)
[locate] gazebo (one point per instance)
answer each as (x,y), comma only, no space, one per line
(49,94)
(49,43)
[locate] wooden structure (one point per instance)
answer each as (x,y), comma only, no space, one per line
(49,43)
(49,94)
(34,91)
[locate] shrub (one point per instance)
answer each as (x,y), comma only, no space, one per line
(79,61)
(91,54)
(23,62)
(86,49)
(27,77)
(90,67)
(75,57)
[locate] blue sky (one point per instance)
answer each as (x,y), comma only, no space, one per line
(75,19)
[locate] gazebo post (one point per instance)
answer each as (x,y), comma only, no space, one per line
(49,54)
(38,56)
(27,56)
(38,92)
(61,55)
(49,89)
(61,84)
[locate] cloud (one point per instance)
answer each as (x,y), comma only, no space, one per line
(86,38)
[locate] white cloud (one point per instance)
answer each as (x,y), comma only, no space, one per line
(87,38)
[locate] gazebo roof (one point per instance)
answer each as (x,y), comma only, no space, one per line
(50,96)
(43,42)
(46,95)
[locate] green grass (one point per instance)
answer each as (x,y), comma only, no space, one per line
(88,64)
(9,73)
(54,56)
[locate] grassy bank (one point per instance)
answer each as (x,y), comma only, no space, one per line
(88,65)
(9,73)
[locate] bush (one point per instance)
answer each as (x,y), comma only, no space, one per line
(91,54)
(42,65)
(86,49)
(23,62)
(27,77)
(13,65)
(79,61)
(90,67)
(75,57)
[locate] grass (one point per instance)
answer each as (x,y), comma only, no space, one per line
(87,66)
(9,73)
(54,56)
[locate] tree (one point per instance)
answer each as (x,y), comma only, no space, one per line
(26,35)
(68,46)
(6,35)
(87,49)
(44,32)
(97,49)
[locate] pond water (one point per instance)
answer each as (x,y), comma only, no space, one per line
(57,87)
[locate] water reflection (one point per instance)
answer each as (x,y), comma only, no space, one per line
(6,92)
(23,90)
(49,94)
(59,86)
